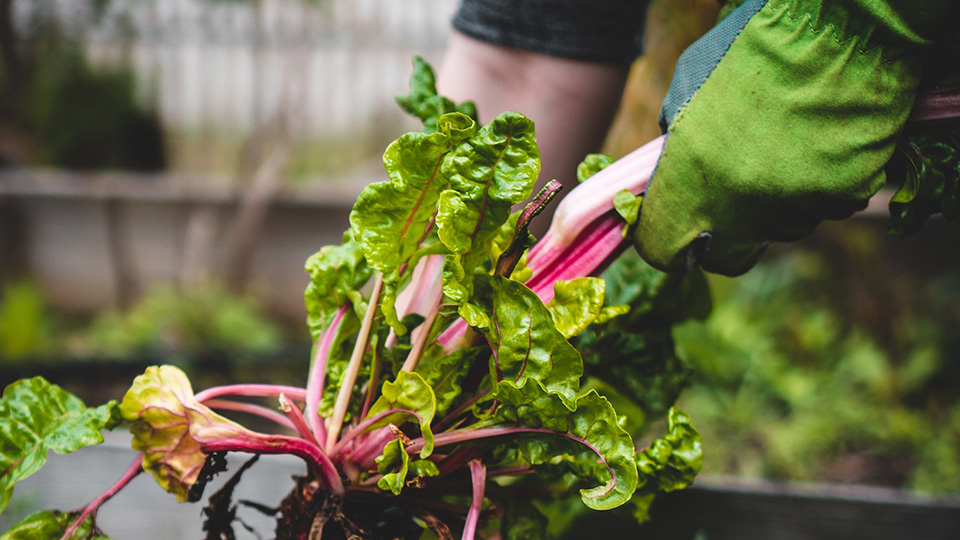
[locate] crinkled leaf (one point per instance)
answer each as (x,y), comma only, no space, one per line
(336,368)
(525,341)
(510,259)
(423,468)
(521,520)
(595,447)
(423,102)
(643,366)
(655,297)
(37,417)
(393,453)
(627,206)
(443,373)
(505,239)
(928,162)
(635,352)
(608,313)
(50,525)
(591,165)
(489,173)
(504,236)
(409,395)
(576,304)
(390,218)
(169,426)
(670,462)
(336,274)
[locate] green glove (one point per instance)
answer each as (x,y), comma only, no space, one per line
(781,116)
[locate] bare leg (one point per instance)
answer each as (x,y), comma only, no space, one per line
(571,102)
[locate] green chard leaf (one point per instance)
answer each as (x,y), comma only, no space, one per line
(525,342)
(655,298)
(635,352)
(594,447)
(336,274)
(37,417)
(489,173)
(443,373)
(394,454)
(928,164)
(390,218)
(408,396)
(50,525)
(669,463)
(591,165)
(423,102)
(521,519)
(576,304)
(506,239)
(169,426)
(627,206)
(643,366)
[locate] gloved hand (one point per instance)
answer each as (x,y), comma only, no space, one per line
(783,115)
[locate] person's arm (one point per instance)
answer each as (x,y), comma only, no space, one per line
(572,102)
(562,63)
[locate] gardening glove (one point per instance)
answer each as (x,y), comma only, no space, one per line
(783,115)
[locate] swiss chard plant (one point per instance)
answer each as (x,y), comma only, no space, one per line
(463,374)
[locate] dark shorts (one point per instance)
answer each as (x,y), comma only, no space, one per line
(608,31)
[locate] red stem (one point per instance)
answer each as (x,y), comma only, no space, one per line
(251,408)
(478,475)
(320,464)
(132,471)
(471,402)
(297,420)
(318,369)
(253,390)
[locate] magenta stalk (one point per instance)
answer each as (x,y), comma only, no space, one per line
(132,471)
(318,369)
(252,390)
(479,478)
(353,369)
(251,408)
(318,462)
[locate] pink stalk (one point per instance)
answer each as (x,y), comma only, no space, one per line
(252,390)
(367,422)
(372,383)
(321,465)
(479,478)
(591,200)
(366,453)
(587,256)
(132,471)
(419,339)
(585,232)
(353,369)
(297,420)
(251,408)
(470,403)
(423,293)
(584,257)
(318,369)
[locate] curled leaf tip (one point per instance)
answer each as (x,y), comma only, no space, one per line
(169,426)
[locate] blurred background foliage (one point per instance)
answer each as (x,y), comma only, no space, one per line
(60,110)
(834,360)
